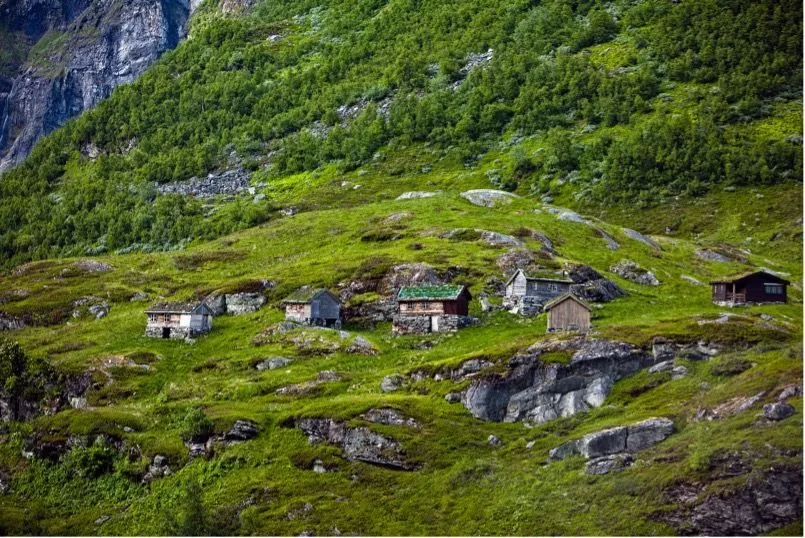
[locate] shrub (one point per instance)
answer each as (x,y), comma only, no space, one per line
(195,425)
(729,366)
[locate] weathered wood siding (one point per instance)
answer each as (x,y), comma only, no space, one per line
(422,307)
(325,307)
(518,287)
(568,316)
(755,288)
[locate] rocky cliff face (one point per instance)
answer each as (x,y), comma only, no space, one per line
(82,51)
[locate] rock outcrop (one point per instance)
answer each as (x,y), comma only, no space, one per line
(590,286)
(617,440)
(632,271)
(538,392)
(769,500)
(77,71)
(488,197)
(358,444)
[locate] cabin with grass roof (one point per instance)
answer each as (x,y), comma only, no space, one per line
(178,320)
(757,287)
(313,306)
(426,309)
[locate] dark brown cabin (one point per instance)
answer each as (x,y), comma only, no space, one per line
(758,287)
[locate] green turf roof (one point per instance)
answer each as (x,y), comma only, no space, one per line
(429,292)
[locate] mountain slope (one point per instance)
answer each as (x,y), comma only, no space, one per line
(143,393)
(334,144)
(616,103)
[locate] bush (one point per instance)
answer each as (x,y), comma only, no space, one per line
(195,425)
(729,366)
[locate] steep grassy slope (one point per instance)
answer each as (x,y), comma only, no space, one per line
(617,102)
(464,485)
(682,120)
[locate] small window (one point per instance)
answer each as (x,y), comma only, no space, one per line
(774,289)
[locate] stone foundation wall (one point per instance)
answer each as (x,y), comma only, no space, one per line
(422,324)
(529,305)
(410,325)
(177,333)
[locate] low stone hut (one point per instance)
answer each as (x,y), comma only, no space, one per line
(425,309)
(568,313)
(178,320)
(313,306)
(758,287)
(526,295)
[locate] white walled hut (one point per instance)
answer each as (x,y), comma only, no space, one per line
(178,320)
(313,306)
(568,313)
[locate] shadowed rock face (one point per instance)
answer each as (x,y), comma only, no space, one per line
(359,444)
(766,502)
(126,38)
(538,392)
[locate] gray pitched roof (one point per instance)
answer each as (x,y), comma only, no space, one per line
(179,308)
(562,298)
(538,278)
(306,294)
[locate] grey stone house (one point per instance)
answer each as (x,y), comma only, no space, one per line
(313,306)
(178,320)
(526,295)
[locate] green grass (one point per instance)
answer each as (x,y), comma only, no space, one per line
(465,486)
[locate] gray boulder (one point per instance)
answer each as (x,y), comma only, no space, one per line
(637,236)
(617,440)
(608,464)
(392,383)
(358,444)
(665,366)
(273,363)
(590,286)
(709,255)
(778,411)
(417,194)
(603,443)
(571,216)
(789,392)
(242,430)
(389,417)
(647,433)
(488,197)
(244,303)
(494,440)
(565,450)
(632,271)
(497,239)
(452,397)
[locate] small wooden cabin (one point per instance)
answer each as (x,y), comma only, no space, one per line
(434,300)
(522,285)
(756,287)
(313,306)
(568,313)
(178,320)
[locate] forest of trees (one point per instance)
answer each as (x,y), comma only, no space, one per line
(230,85)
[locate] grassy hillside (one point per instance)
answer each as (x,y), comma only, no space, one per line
(464,486)
(682,120)
(610,103)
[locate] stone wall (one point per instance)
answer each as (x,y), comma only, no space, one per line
(410,325)
(177,333)
(422,324)
(524,306)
